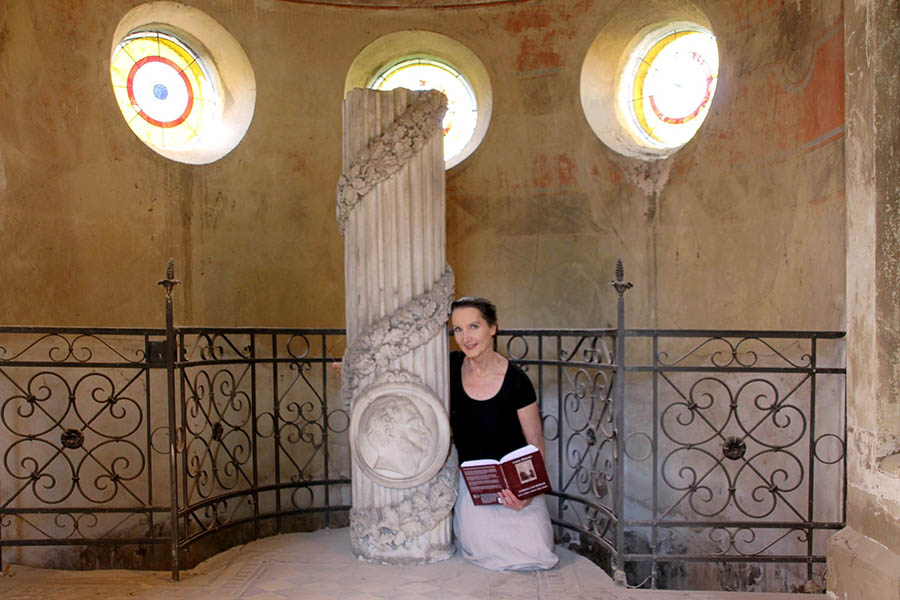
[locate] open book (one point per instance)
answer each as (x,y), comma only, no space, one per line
(521,471)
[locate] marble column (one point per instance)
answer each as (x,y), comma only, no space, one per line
(391,212)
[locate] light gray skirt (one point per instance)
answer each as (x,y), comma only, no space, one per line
(499,538)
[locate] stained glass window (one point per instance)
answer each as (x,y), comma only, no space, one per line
(429,74)
(670,82)
(163,90)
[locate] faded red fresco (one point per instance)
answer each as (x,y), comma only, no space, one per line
(823,97)
(542,33)
(558,171)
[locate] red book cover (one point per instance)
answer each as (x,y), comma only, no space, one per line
(521,471)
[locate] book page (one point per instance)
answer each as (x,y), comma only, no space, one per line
(479,462)
(526,449)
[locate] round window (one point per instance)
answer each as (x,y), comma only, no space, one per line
(424,60)
(164,92)
(171,66)
(423,73)
(668,84)
(647,88)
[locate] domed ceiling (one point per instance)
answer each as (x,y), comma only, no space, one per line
(407,3)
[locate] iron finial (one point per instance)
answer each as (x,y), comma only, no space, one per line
(620,284)
(169,282)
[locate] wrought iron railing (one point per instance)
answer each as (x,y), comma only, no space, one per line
(261,434)
(82,438)
(672,452)
(574,374)
(734,453)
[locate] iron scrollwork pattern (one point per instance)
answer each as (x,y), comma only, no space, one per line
(302,425)
(573,374)
(218,418)
(746,424)
(75,418)
(760,417)
(259,431)
(726,435)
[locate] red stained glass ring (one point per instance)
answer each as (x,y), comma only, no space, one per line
(160,91)
(693,69)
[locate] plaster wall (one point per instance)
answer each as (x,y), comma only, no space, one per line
(873,271)
(873,274)
(742,228)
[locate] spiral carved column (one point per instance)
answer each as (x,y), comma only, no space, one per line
(391,212)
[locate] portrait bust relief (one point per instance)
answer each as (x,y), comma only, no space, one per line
(395,437)
(399,433)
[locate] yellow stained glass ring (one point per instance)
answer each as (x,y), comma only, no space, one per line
(158,78)
(675,75)
(171,68)
(681,78)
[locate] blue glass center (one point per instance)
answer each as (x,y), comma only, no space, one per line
(160,91)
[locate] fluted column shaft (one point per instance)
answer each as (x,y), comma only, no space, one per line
(391,208)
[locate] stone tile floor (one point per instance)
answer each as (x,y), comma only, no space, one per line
(320,565)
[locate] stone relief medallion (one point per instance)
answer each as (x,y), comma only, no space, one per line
(399,433)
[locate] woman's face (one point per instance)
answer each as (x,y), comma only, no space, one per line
(472,333)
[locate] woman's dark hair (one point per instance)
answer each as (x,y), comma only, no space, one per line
(485,307)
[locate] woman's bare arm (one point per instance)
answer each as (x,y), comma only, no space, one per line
(530,420)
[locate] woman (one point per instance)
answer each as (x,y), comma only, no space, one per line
(493,411)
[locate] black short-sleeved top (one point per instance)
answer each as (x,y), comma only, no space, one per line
(488,428)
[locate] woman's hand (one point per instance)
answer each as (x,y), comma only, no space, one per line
(509,500)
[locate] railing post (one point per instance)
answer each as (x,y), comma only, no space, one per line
(621,287)
(168,283)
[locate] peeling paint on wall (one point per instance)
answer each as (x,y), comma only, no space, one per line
(650,177)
